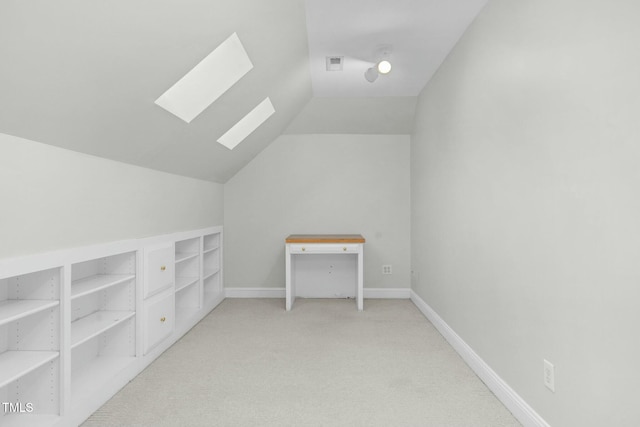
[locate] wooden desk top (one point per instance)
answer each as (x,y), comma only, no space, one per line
(325,238)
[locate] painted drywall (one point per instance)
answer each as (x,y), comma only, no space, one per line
(306,184)
(52,198)
(379,116)
(525,191)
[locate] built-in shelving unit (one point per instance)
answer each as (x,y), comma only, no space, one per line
(103,311)
(77,324)
(187,289)
(30,347)
(211,270)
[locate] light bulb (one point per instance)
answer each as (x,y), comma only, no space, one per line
(384,67)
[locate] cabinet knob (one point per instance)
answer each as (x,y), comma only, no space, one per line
(344,249)
(304,249)
(163,268)
(162,319)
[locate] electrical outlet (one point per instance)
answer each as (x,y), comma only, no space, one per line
(386,269)
(549,375)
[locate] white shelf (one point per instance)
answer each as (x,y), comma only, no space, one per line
(209,273)
(183,256)
(15,364)
(97,283)
(11,310)
(185,282)
(206,251)
(94,324)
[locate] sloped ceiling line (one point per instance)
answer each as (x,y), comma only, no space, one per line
(83,75)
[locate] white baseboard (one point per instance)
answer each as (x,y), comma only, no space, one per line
(372,293)
(254,292)
(387,293)
(509,398)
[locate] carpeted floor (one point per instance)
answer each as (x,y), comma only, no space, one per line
(250,363)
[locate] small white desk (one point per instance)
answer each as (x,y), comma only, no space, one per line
(302,244)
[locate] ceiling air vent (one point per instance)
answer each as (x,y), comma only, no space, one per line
(334,63)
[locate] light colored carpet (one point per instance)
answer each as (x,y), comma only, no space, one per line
(251,363)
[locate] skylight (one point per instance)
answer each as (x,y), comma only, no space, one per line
(247,124)
(212,77)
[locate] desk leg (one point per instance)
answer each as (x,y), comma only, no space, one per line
(289,292)
(360,295)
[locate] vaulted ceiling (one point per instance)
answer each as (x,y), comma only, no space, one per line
(84,74)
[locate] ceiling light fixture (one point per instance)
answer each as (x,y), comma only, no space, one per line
(382,65)
(371,74)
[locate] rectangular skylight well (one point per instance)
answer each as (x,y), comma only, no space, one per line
(247,124)
(207,81)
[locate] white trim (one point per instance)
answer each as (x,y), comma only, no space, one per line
(15,266)
(387,293)
(509,398)
(254,292)
(371,293)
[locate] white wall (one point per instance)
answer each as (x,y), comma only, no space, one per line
(305,184)
(525,184)
(52,198)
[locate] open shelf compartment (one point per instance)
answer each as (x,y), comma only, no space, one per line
(187,249)
(31,396)
(88,285)
(188,271)
(211,242)
(96,323)
(183,283)
(13,310)
(97,359)
(103,321)
(211,267)
(30,347)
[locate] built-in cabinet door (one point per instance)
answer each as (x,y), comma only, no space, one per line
(159,319)
(159,268)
